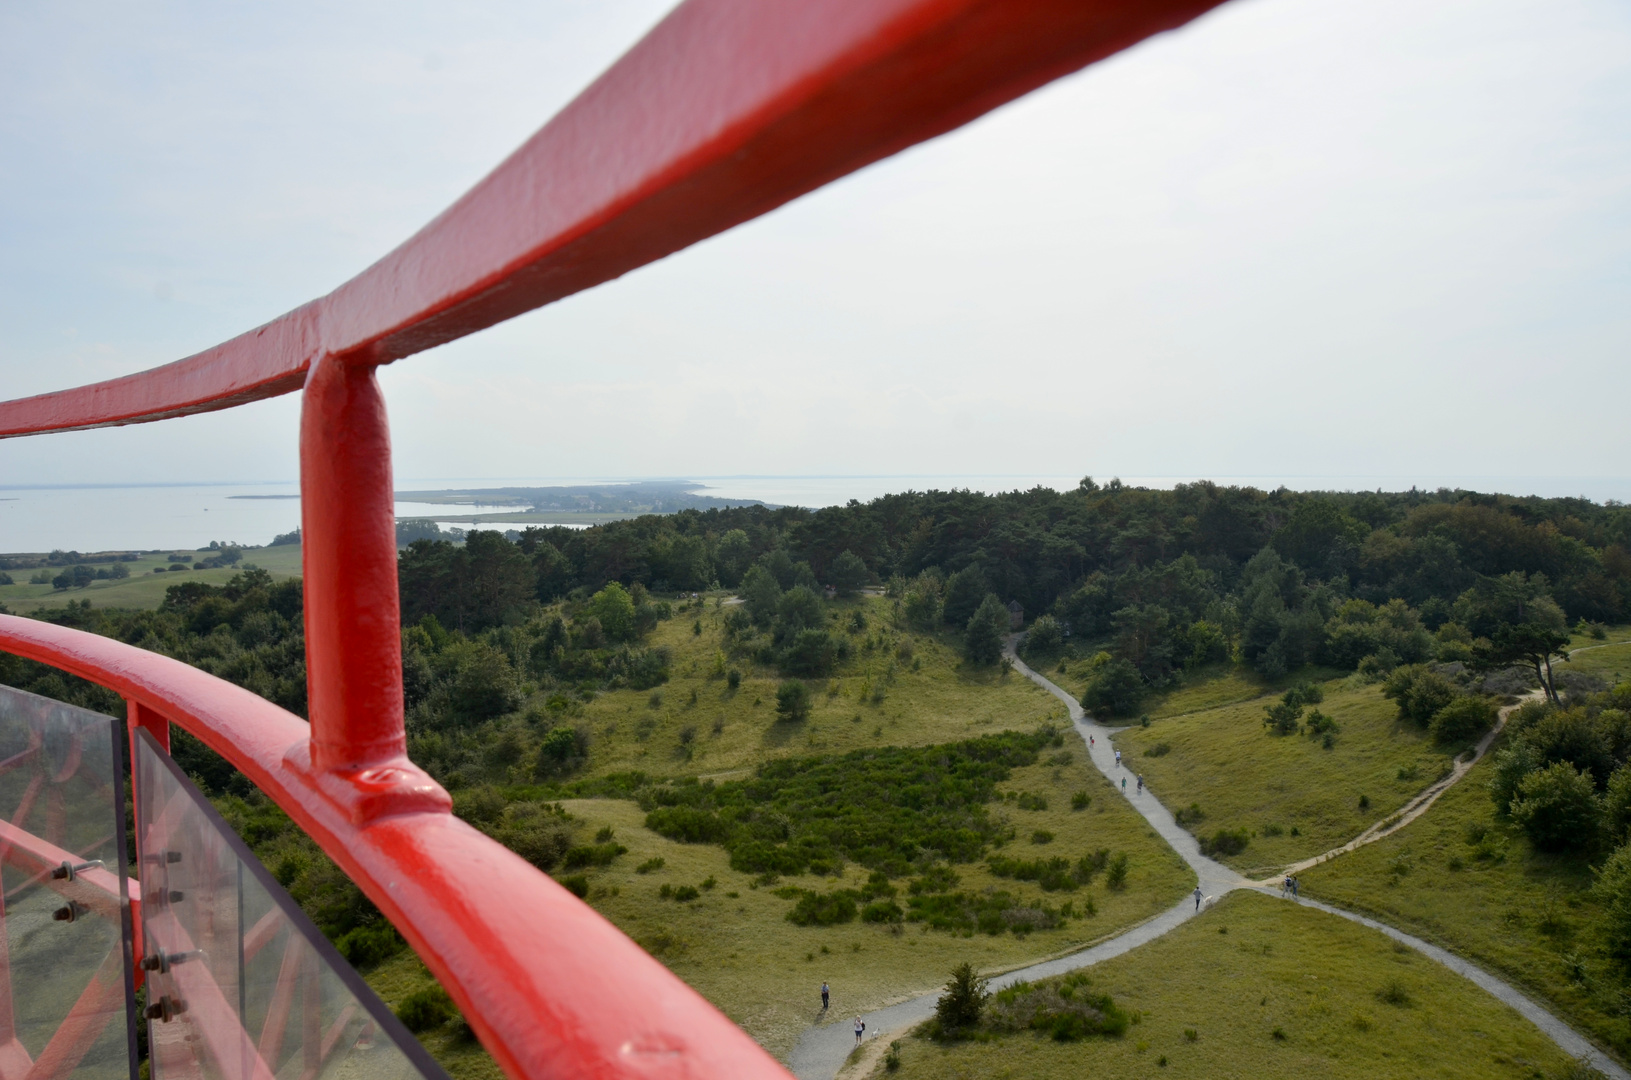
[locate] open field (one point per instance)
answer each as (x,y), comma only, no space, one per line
(1204,688)
(735,945)
(1296,797)
(1610,658)
(1255,967)
(143,588)
(928,696)
(1461,879)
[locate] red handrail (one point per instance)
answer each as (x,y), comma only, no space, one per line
(553,989)
(726,110)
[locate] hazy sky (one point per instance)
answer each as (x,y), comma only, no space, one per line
(1333,237)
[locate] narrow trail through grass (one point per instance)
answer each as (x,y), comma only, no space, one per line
(822,1051)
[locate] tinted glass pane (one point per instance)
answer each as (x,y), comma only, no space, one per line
(247,988)
(65,1004)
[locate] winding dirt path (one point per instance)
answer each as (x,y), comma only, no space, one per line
(822,1050)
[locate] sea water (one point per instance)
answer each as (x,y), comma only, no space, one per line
(176,516)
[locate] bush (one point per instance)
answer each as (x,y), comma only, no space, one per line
(798,814)
(823,909)
(1557,807)
(1080,800)
(1613,889)
(733,679)
(367,945)
(848,574)
(793,701)
(1283,718)
(1320,724)
(1063,1008)
(982,640)
(1420,692)
(1115,690)
(963,1003)
(1225,842)
(1115,875)
(1044,636)
(576,884)
(425,1009)
(592,855)
(882,911)
(811,653)
(1462,720)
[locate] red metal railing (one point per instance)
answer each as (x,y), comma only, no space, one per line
(726,110)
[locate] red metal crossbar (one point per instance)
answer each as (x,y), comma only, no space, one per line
(726,110)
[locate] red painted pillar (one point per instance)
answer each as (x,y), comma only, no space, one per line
(348,550)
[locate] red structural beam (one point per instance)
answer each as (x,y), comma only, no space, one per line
(552,988)
(726,110)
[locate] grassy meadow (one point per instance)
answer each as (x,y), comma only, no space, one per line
(1294,796)
(735,944)
(1261,988)
(143,588)
(1202,689)
(897,689)
(1462,879)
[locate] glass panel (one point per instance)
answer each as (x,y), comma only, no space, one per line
(241,985)
(66,1007)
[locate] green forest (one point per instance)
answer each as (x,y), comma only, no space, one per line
(1448,600)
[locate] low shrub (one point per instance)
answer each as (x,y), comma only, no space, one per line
(1462,720)
(1064,1008)
(823,909)
(1225,842)
(425,1009)
(592,855)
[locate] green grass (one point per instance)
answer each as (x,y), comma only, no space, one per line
(1209,687)
(942,701)
(143,589)
(1498,903)
(1316,979)
(1612,660)
(463,1058)
(1223,760)
(744,955)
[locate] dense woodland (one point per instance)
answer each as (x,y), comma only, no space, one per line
(504,639)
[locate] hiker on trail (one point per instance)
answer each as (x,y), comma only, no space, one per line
(824,997)
(1198,897)
(1141,783)
(860,1030)
(1090,743)
(1285,886)
(1118,762)
(1124,785)
(1294,886)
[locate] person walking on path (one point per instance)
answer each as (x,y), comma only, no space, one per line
(1090,743)
(860,1030)
(1118,762)
(1198,897)
(1294,886)
(1124,785)
(1285,886)
(1141,783)
(824,993)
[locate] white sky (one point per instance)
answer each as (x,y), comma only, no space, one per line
(1335,237)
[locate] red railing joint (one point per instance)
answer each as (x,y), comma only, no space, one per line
(396,786)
